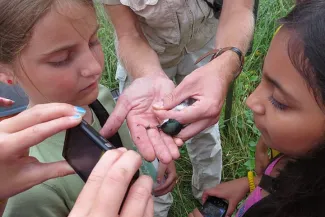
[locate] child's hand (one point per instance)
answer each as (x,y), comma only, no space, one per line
(18,170)
(167,186)
(261,157)
(233,191)
(106,187)
(195,213)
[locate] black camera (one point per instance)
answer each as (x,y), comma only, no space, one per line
(214,207)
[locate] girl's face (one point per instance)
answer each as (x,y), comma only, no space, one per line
(63,60)
(285,110)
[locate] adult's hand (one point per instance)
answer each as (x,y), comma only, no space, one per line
(135,104)
(19,171)
(6,102)
(205,85)
(209,84)
(107,185)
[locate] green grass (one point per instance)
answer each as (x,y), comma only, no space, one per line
(239,138)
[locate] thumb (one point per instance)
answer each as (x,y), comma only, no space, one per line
(214,192)
(205,197)
(178,95)
(231,208)
(161,172)
(116,119)
(45,171)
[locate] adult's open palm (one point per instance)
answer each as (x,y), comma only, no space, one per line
(135,105)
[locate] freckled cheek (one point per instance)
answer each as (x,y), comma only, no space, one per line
(63,87)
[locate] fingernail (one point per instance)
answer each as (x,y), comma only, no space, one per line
(159,105)
(10,101)
(7,100)
(76,117)
(80,110)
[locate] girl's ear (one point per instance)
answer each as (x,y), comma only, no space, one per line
(6,74)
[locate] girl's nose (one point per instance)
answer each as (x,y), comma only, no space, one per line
(255,103)
(92,66)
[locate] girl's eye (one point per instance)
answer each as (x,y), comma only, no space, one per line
(61,63)
(61,60)
(277,104)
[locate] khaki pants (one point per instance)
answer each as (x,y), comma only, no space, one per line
(204,149)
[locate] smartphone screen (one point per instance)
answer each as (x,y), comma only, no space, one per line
(214,207)
(83,147)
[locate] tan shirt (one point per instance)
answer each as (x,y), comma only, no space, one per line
(173,27)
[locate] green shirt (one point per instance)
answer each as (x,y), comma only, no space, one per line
(56,197)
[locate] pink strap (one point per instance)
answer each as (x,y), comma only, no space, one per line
(271,166)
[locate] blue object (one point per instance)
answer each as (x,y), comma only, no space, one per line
(16,94)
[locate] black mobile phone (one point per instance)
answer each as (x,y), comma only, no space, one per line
(83,147)
(214,207)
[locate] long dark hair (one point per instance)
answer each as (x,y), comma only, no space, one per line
(300,186)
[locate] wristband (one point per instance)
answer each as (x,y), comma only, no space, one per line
(250,177)
(220,51)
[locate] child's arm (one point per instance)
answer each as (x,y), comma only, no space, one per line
(261,157)
(166,186)
(234,191)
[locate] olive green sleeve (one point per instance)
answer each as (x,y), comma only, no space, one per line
(39,201)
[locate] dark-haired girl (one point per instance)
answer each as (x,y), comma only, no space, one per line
(288,107)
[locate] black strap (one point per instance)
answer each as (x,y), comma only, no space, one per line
(264,207)
(102,116)
(268,184)
(216,7)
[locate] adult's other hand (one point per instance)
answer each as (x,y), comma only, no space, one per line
(208,88)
